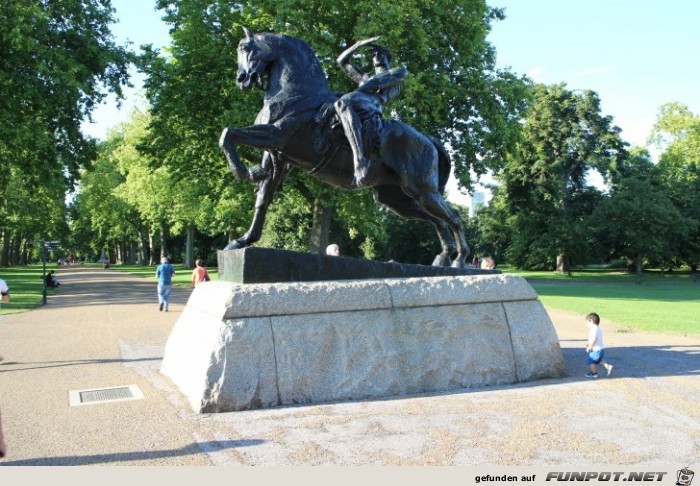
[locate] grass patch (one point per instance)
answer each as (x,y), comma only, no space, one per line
(663,302)
(597,274)
(652,306)
(26,287)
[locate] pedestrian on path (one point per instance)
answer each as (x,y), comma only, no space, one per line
(199,274)
(595,347)
(4,291)
(164,272)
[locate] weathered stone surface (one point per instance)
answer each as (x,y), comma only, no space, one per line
(267,265)
(458,290)
(449,347)
(355,295)
(246,346)
(222,365)
(306,297)
(535,343)
(338,356)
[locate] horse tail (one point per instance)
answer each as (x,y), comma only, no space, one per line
(444,164)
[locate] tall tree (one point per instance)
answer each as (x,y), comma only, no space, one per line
(638,221)
(564,136)
(677,134)
(58,61)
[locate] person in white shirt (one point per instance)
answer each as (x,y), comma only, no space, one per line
(595,347)
(4,291)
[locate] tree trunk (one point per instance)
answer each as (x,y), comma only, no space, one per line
(150,245)
(144,249)
(231,234)
(16,250)
(562,264)
(133,253)
(639,269)
(5,256)
(163,240)
(24,253)
(189,263)
(320,228)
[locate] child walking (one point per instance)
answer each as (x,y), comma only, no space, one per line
(595,347)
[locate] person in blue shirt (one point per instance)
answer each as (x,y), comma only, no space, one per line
(164,272)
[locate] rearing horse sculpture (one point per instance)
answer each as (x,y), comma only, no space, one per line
(408,172)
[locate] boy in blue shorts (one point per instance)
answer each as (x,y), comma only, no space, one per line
(595,347)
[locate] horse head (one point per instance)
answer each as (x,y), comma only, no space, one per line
(254,59)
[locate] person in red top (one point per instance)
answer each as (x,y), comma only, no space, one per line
(199,274)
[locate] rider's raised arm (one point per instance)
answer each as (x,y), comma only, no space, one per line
(385,80)
(353,72)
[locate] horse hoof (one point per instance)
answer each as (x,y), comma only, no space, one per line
(234,245)
(459,263)
(360,179)
(442,261)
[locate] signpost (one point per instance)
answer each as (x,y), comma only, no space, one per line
(46,245)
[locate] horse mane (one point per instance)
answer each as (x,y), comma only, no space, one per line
(306,53)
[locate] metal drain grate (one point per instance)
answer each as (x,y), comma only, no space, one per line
(102,395)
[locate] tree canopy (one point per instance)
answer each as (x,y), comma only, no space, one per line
(58,61)
(564,136)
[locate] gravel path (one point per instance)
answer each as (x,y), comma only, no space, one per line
(103,329)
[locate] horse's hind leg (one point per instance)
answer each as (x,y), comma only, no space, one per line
(396,200)
(436,205)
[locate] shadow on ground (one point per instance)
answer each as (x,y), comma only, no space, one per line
(39,365)
(638,361)
(194,448)
(90,287)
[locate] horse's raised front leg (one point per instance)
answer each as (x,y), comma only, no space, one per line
(269,137)
(275,172)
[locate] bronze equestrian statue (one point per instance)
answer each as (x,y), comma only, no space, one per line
(298,126)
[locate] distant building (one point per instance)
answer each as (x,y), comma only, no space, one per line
(478,199)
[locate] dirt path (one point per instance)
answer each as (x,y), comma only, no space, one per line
(103,329)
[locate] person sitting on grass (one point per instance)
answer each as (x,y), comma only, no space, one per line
(51,280)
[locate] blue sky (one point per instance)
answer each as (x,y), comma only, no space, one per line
(636,54)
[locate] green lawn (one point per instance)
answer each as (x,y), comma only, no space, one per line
(600,274)
(26,286)
(661,302)
(652,306)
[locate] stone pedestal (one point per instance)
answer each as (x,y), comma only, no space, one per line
(238,347)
